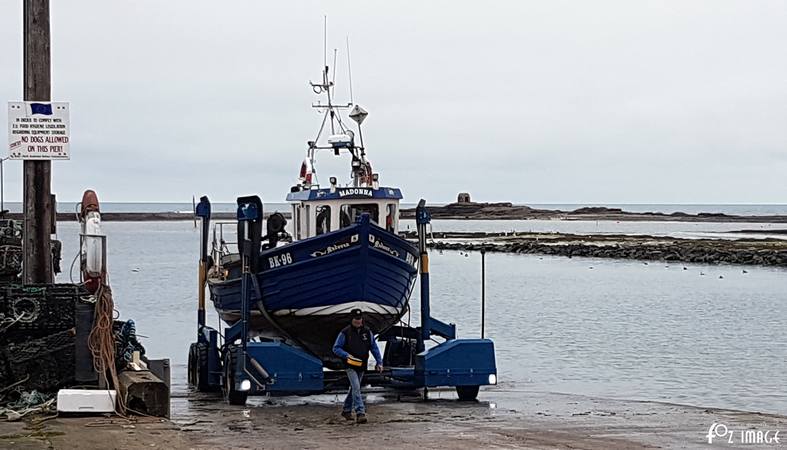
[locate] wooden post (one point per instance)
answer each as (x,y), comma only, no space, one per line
(37,174)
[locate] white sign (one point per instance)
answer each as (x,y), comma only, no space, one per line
(38,130)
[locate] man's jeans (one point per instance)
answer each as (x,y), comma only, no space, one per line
(354,399)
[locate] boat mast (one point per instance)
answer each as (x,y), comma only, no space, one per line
(341,136)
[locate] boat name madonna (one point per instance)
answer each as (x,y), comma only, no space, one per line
(355,191)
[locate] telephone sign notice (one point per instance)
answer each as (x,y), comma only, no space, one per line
(38,130)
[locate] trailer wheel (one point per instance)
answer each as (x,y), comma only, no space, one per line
(467,393)
(198,367)
(192,372)
(231,395)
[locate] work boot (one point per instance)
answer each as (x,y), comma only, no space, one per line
(347,415)
(361,418)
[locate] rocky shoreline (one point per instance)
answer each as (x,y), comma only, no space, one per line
(509,211)
(765,252)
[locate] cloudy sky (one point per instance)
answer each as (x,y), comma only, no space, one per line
(527,101)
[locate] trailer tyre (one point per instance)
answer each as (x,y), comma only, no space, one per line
(231,395)
(192,364)
(198,366)
(467,393)
(202,368)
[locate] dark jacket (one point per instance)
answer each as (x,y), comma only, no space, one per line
(357,342)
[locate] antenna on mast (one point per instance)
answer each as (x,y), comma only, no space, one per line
(325,40)
(335,52)
(349,69)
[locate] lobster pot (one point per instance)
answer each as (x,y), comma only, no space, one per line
(10,262)
(47,361)
(5,374)
(3,305)
(10,251)
(39,310)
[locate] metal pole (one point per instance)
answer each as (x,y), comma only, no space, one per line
(483,291)
(249,235)
(37,207)
(422,218)
(360,135)
(245,289)
(203,211)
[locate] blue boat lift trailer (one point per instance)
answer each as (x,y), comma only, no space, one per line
(240,367)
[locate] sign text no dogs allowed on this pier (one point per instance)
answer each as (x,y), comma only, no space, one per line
(38,130)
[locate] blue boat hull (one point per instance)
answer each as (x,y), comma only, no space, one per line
(310,286)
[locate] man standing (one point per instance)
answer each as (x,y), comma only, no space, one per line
(353,345)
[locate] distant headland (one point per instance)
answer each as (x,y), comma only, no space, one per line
(464,208)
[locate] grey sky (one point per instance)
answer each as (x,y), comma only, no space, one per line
(548,101)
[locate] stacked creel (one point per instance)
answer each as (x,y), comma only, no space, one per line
(37,331)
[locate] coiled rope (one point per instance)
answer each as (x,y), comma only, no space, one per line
(101,343)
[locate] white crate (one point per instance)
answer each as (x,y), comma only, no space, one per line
(86,400)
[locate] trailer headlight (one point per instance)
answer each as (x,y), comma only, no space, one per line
(245,385)
(492,378)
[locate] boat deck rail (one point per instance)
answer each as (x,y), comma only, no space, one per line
(220,247)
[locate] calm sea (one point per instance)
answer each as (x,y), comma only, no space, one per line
(711,336)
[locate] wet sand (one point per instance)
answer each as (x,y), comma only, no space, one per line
(502,418)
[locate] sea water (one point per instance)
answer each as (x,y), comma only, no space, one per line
(703,335)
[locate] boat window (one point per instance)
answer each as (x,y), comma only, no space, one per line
(308,220)
(390,218)
(350,213)
(323,219)
(297,223)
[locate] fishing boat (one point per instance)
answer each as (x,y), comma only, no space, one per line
(342,250)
